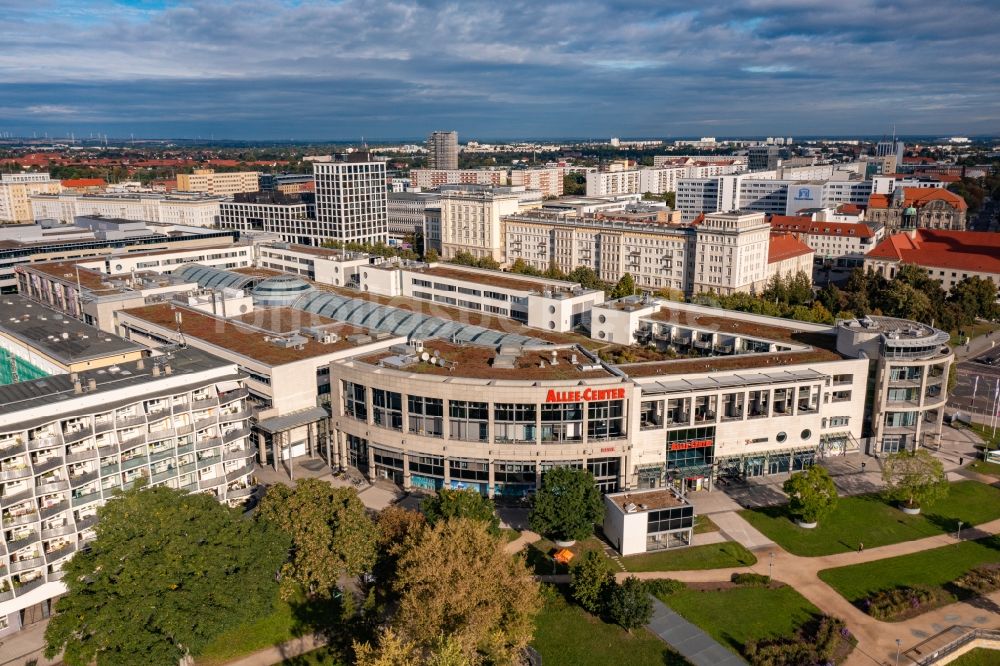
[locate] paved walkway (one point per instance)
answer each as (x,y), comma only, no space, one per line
(522,541)
(694,644)
(740,530)
(279,653)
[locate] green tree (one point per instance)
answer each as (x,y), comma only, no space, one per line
(587,277)
(624,287)
(629,605)
(167,572)
(396,526)
(456,582)
(812,494)
(975,297)
(449,503)
(431,256)
(567,505)
(590,579)
(799,289)
(915,478)
(574,184)
(331,534)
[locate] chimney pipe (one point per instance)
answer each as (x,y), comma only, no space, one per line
(156,370)
(167,369)
(77,387)
(91,384)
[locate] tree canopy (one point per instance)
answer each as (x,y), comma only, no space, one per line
(449,503)
(812,494)
(590,580)
(916,478)
(567,505)
(167,572)
(629,605)
(330,530)
(457,583)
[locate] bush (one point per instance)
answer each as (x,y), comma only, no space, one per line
(812,494)
(664,587)
(590,579)
(817,645)
(750,579)
(629,605)
(981,580)
(891,604)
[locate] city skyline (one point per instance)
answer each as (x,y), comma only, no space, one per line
(307,71)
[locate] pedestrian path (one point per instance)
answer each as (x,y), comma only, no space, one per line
(694,644)
(524,539)
(740,530)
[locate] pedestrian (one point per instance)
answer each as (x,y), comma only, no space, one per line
(861,548)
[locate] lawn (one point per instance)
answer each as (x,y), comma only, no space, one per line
(507,534)
(983,467)
(320,657)
(978,657)
(703,524)
(737,615)
(972,331)
(985,432)
(934,568)
(712,556)
(539,554)
(872,521)
(567,634)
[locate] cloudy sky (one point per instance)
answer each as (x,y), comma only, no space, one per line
(311,69)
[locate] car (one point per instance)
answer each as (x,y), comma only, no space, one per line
(987,360)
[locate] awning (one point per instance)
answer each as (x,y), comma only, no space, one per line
(293,420)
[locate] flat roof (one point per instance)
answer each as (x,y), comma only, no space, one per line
(57,389)
(284,320)
(238,336)
(497,278)
(56,335)
(477,361)
(67,271)
(646,500)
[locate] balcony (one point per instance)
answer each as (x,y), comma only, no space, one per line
(45,442)
(12,474)
(162,454)
(53,510)
(113,468)
(13,498)
(79,479)
(20,519)
(6,596)
(209,443)
(157,435)
(80,500)
(60,552)
(80,456)
(187,468)
(12,448)
(205,422)
(235,416)
(132,442)
(135,461)
(47,465)
(214,482)
(208,462)
(86,522)
(24,565)
(239,473)
(104,426)
(77,435)
(241,454)
(107,450)
(204,404)
(233,395)
(53,576)
(233,435)
(163,476)
(29,586)
(130,421)
(22,542)
(178,408)
(185,448)
(62,530)
(51,487)
(239,493)
(185,429)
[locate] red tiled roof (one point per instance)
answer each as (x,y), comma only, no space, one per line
(849,209)
(84,182)
(803,225)
(918,196)
(785,246)
(970,251)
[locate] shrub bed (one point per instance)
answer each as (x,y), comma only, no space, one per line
(750,579)
(981,580)
(664,587)
(825,642)
(901,602)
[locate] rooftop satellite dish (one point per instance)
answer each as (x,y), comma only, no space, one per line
(437,354)
(424,356)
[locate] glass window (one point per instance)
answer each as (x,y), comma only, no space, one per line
(651,414)
(354,401)
(426,416)
(562,422)
(387,409)
(514,422)
(468,421)
(604,419)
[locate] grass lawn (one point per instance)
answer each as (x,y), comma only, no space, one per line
(713,556)
(985,432)
(567,634)
(972,331)
(934,568)
(983,467)
(704,524)
(320,657)
(874,522)
(978,657)
(508,535)
(539,554)
(737,615)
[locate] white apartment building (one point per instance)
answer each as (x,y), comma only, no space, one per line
(431,178)
(612,183)
(548,181)
(886,184)
(197,210)
(16,190)
(407,212)
(769,195)
(841,243)
(471,221)
(731,253)
(660,180)
(220,184)
(294,221)
(68,442)
(351,200)
(341,268)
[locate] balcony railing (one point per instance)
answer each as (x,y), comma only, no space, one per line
(135,461)
(205,422)
(164,475)
(207,462)
(236,416)
(209,443)
(239,473)
(164,454)
(157,435)
(23,541)
(107,450)
(58,553)
(43,442)
(29,586)
(104,426)
(53,510)
(204,404)
(11,474)
(177,409)
(76,435)
(132,442)
(185,448)
(241,454)
(187,468)
(62,530)
(48,464)
(21,519)
(233,435)
(51,487)
(214,482)
(86,522)
(233,395)
(80,479)
(238,493)
(12,448)
(130,421)
(80,500)
(24,565)
(13,498)
(80,456)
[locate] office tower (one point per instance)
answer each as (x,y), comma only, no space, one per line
(442,150)
(351,199)
(762,158)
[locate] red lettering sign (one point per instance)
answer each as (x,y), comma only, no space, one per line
(694,444)
(608,449)
(586,395)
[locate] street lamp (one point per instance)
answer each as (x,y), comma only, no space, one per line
(899,644)
(770,565)
(959,535)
